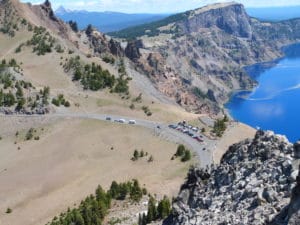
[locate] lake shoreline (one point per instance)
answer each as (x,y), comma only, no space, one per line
(270,103)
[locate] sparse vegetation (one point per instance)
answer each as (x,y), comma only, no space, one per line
(220,126)
(184,153)
(60,100)
(18,93)
(147,110)
(59,49)
(109,59)
(114,221)
(138,99)
(94,208)
(138,154)
(151,158)
(8,210)
(159,212)
(93,77)
(19,48)
(151,29)
(41,41)
(132,106)
(9,22)
(29,134)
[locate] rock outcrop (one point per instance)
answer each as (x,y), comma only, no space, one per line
(290,215)
(233,20)
(252,184)
(207,49)
(132,50)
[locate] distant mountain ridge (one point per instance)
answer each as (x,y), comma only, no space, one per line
(106,21)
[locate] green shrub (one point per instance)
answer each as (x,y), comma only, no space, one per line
(93,77)
(29,134)
(8,210)
(187,156)
(180,151)
(67,104)
(220,126)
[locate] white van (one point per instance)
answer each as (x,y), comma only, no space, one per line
(132,122)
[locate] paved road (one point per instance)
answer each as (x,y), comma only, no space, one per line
(164,132)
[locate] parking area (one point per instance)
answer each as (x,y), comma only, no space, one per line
(193,132)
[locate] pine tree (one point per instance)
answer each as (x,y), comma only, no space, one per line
(136,192)
(164,208)
(180,150)
(114,189)
(152,211)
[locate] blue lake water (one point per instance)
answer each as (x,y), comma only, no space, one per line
(275,103)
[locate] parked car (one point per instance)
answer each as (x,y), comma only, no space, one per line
(190,134)
(178,128)
(132,122)
(122,121)
(108,118)
(172,126)
(198,139)
(195,129)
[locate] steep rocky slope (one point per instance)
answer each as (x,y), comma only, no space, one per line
(31,35)
(252,184)
(14,16)
(197,57)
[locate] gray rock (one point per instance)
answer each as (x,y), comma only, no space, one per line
(250,186)
(297,150)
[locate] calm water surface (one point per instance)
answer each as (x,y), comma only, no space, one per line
(275,103)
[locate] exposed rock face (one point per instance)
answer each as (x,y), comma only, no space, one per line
(207,48)
(234,21)
(291,213)
(115,48)
(251,185)
(297,150)
(132,50)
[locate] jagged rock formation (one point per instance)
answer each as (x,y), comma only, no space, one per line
(290,215)
(101,45)
(132,50)
(205,50)
(252,184)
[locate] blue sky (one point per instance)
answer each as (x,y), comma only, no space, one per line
(154,6)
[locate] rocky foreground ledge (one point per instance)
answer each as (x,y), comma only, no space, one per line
(255,183)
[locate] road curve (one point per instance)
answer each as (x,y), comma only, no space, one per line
(204,150)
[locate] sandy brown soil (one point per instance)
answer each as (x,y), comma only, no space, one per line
(72,157)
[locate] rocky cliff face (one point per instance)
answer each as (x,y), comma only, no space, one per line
(230,18)
(206,50)
(253,183)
